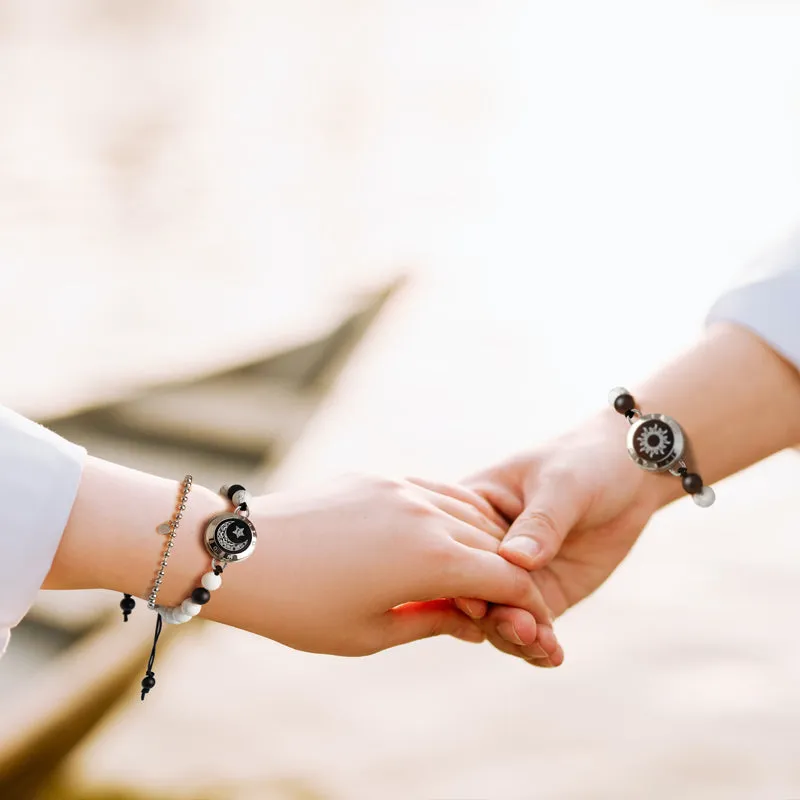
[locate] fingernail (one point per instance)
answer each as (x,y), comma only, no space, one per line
(523,545)
(508,632)
(474,610)
(470,634)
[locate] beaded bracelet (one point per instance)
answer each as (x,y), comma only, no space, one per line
(228,537)
(657,443)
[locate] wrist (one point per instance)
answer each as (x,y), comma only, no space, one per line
(110,541)
(604,435)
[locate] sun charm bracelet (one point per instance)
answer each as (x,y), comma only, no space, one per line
(657,443)
(228,537)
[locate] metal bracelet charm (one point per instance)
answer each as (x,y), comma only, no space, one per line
(657,443)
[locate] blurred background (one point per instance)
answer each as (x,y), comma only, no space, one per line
(402,237)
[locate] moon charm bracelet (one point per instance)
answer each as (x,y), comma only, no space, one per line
(657,443)
(228,537)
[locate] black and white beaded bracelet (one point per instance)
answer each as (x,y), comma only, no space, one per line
(228,537)
(657,443)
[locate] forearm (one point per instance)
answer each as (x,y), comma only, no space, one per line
(736,399)
(110,541)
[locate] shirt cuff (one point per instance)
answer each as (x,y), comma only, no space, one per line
(39,477)
(770,308)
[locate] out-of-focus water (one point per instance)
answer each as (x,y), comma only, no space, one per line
(570,184)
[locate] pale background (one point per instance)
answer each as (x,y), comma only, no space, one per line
(569,185)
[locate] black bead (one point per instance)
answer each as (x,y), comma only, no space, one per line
(127,603)
(233,489)
(148,682)
(201,596)
(624,403)
(692,483)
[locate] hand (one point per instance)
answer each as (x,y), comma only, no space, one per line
(369,563)
(578,505)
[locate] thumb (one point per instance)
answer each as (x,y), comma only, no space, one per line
(412,621)
(538,532)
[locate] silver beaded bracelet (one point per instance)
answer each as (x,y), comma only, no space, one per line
(657,443)
(169,528)
(228,537)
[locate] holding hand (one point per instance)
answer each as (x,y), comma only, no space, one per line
(579,503)
(358,566)
(368,563)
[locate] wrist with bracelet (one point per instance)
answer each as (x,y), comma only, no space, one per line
(228,537)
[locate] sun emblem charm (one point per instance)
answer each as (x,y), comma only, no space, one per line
(655,442)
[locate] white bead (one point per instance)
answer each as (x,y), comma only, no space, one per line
(705,498)
(179,617)
(211,581)
(242,496)
(190,608)
(166,615)
(615,393)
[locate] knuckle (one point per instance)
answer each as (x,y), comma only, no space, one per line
(542,520)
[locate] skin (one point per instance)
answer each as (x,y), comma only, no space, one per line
(349,569)
(578,504)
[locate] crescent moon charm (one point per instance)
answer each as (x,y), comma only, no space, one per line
(230,537)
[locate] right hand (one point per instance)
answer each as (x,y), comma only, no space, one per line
(369,563)
(578,505)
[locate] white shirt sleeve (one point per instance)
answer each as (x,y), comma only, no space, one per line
(767,299)
(39,477)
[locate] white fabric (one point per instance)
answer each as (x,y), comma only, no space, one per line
(767,299)
(39,477)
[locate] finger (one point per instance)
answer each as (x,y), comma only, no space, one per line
(545,663)
(476,573)
(532,652)
(536,535)
(412,621)
(549,662)
(517,627)
(474,609)
(513,625)
(466,496)
(504,497)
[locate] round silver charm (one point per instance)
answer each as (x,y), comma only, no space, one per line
(655,442)
(230,537)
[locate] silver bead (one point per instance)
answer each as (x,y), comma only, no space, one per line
(183,506)
(170,545)
(615,393)
(705,498)
(240,497)
(179,516)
